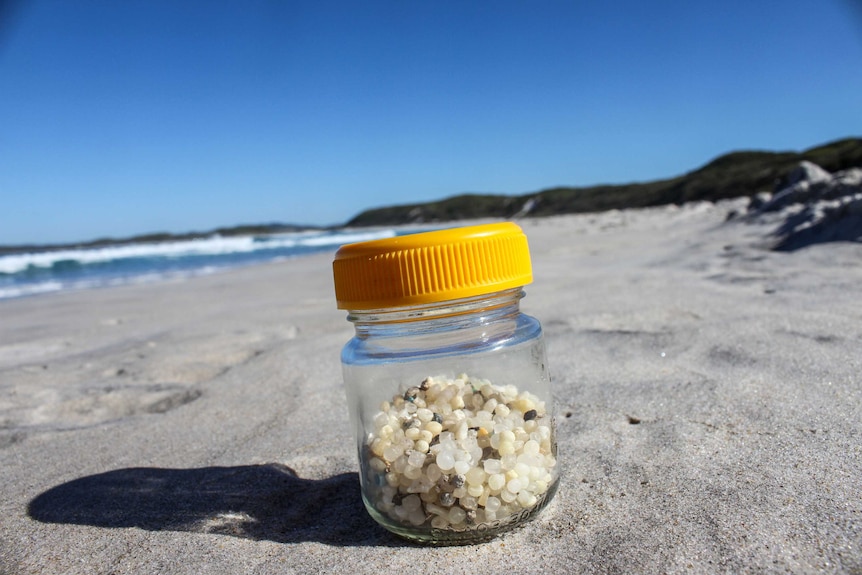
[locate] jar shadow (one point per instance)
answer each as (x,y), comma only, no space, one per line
(260,502)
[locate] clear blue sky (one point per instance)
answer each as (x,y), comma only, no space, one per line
(124,117)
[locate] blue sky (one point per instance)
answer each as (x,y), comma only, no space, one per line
(121,118)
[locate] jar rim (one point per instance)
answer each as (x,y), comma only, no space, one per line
(436,310)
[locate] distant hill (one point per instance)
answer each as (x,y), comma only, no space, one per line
(732,175)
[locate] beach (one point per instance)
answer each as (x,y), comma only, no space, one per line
(708,392)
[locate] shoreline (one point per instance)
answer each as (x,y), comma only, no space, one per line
(49,272)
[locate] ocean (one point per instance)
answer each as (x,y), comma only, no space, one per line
(30,274)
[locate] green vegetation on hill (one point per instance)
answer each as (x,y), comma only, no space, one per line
(732,175)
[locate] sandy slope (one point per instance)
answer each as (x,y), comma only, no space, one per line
(709,398)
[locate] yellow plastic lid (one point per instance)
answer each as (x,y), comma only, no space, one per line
(431,267)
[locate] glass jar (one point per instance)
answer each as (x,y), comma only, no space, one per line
(447,383)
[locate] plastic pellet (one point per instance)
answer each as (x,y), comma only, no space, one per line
(445,460)
(457,515)
(451,454)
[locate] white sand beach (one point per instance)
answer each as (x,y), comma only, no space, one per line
(709,400)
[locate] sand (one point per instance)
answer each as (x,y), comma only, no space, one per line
(709,407)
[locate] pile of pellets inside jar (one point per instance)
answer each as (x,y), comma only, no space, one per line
(458,453)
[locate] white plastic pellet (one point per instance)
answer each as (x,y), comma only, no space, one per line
(457,515)
(418,449)
(514,485)
(424,414)
(474,476)
(496,481)
(416,458)
(475,490)
(445,460)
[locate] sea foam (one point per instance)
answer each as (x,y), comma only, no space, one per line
(214,245)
